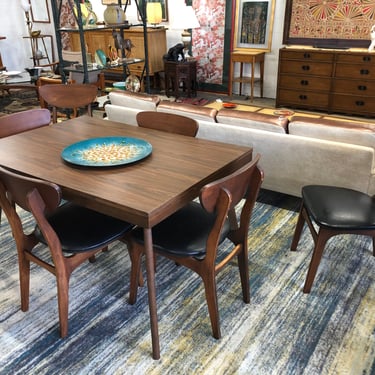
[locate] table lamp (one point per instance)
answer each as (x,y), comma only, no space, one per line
(186,19)
(154,13)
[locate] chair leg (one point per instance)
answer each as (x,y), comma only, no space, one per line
(24,272)
(135,272)
(323,237)
(373,246)
(243,265)
(211,297)
(298,230)
(63,303)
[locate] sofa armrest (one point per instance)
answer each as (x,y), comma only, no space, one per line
(136,100)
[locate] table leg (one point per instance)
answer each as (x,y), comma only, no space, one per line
(147,233)
(252,81)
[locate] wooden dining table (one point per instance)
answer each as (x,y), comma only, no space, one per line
(143,193)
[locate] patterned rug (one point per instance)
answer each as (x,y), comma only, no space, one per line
(282,330)
(17,101)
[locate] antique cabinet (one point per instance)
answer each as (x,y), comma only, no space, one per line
(328,80)
(103,38)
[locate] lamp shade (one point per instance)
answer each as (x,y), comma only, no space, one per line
(154,13)
(25,5)
(185,19)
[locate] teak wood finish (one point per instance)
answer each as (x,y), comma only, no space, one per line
(196,246)
(71,96)
(327,80)
(143,193)
(168,122)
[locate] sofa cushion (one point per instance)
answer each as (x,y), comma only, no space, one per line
(359,133)
(135,100)
(189,110)
(253,120)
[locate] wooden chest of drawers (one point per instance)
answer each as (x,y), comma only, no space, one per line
(332,80)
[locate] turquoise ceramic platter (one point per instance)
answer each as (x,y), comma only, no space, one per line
(106,151)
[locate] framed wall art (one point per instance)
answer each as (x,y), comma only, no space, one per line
(39,11)
(253,24)
(329,24)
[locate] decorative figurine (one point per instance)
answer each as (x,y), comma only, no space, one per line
(122,44)
(175,53)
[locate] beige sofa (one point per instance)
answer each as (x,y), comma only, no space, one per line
(294,152)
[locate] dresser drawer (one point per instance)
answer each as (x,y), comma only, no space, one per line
(307,68)
(363,72)
(355,59)
(306,55)
(354,87)
(304,83)
(353,104)
(303,98)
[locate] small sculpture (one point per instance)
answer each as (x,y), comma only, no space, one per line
(122,44)
(175,53)
(372,33)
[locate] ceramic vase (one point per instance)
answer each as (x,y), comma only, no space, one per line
(114,15)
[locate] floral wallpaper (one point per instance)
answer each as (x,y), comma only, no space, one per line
(208,41)
(330,19)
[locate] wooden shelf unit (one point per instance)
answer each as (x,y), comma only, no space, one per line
(341,81)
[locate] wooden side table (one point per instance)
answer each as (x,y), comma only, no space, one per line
(252,58)
(180,73)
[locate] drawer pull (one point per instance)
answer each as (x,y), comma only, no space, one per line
(366,58)
(304,82)
(303,97)
(305,67)
(359,103)
(362,88)
(364,71)
(306,55)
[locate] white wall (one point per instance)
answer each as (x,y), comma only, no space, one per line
(16,51)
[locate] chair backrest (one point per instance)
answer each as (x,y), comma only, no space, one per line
(168,122)
(223,195)
(16,188)
(22,121)
(68,96)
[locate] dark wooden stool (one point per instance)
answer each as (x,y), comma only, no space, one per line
(180,72)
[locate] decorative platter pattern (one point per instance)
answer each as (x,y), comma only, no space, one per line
(106,151)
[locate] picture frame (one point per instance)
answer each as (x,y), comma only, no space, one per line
(164,9)
(253,25)
(39,11)
(319,25)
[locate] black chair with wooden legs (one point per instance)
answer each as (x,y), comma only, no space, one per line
(335,210)
(192,235)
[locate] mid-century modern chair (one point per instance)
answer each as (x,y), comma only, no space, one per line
(168,122)
(192,235)
(335,211)
(72,233)
(23,121)
(71,97)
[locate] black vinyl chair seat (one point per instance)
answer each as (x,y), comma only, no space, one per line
(185,232)
(339,208)
(335,211)
(81,229)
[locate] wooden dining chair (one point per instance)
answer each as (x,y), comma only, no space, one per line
(168,122)
(335,211)
(72,233)
(70,96)
(19,122)
(192,235)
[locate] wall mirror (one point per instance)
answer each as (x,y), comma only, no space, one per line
(39,11)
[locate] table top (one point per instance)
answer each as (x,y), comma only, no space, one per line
(143,193)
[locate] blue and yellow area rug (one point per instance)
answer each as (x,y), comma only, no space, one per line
(282,330)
